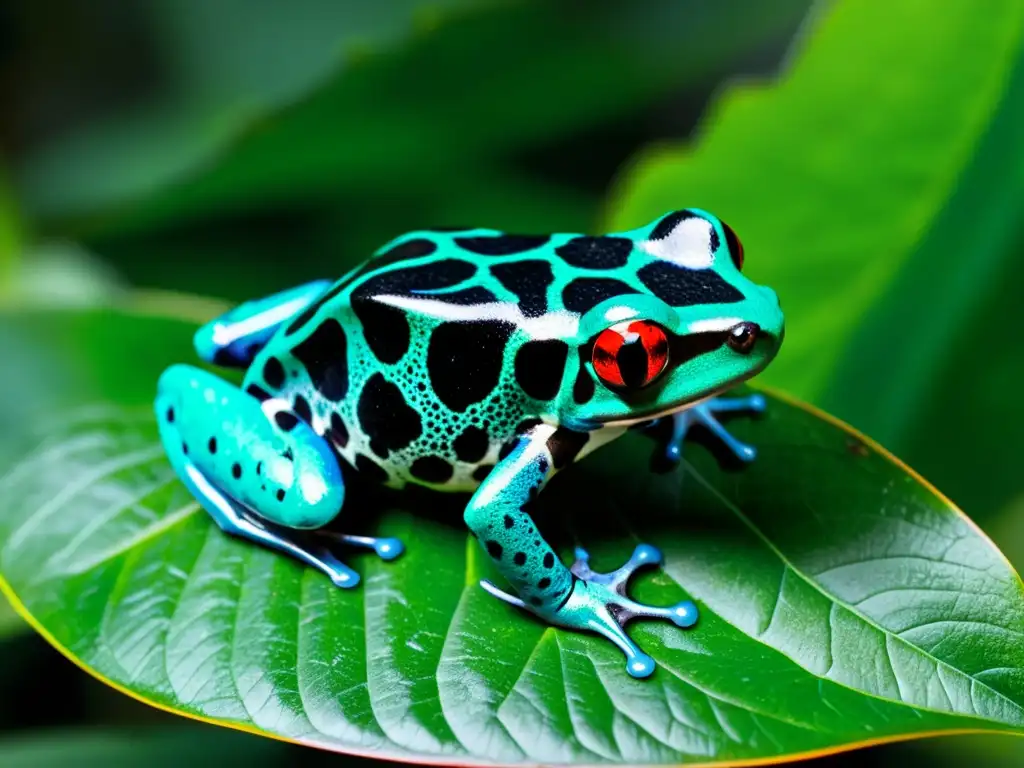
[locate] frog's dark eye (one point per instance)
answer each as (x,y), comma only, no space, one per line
(631,354)
(734,245)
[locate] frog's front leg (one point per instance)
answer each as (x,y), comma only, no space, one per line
(577,598)
(704,414)
(256,472)
(234,338)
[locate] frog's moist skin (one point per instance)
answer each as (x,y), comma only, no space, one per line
(472,360)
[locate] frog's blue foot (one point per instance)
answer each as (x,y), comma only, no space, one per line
(704,414)
(598,602)
(255,474)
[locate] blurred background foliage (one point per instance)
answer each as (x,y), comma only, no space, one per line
(868,154)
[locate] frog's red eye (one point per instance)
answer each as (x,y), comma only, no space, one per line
(734,245)
(630,355)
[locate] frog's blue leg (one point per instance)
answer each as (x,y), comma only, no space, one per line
(704,414)
(254,474)
(578,598)
(234,338)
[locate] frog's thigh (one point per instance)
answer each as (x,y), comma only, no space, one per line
(234,338)
(259,455)
(496,515)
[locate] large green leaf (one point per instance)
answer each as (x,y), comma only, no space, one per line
(881,172)
(393,121)
(843,601)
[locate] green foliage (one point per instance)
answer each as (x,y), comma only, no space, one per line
(827,574)
(876,187)
(424,132)
(218,88)
(371,129)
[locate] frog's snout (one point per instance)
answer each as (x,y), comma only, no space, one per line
(774,324)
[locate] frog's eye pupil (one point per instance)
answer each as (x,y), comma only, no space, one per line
(630,355)
(734,245)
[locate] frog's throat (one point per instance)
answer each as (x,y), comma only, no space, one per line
(658,414)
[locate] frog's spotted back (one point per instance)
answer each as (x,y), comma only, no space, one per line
(425,362)
(466,358)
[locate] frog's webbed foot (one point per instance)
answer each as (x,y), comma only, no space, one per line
(704,415)
(598,602)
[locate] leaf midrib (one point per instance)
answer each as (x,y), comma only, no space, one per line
(889,635)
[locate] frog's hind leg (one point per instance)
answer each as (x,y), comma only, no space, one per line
(704,414)
(255,468)
(577,597)
(234,338)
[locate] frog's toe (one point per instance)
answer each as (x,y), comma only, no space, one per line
(643,555)
(683,614)
(386,548)
(339,573)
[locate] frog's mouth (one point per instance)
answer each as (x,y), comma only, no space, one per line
(642,417)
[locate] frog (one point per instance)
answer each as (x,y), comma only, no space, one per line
(476,361)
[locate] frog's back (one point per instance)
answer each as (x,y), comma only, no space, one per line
(424,363)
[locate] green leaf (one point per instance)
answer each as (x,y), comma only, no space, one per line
(398,120)
(971,402)
(843,600)
(846,182)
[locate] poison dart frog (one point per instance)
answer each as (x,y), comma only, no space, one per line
(476,361)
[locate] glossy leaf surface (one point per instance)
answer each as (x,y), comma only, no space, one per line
(842,600)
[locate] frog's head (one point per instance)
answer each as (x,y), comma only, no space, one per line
(700,327)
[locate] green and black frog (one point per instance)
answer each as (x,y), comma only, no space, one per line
(476,361)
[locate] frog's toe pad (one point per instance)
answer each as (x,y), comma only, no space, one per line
(388,548)
(640,666)
(340,574)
